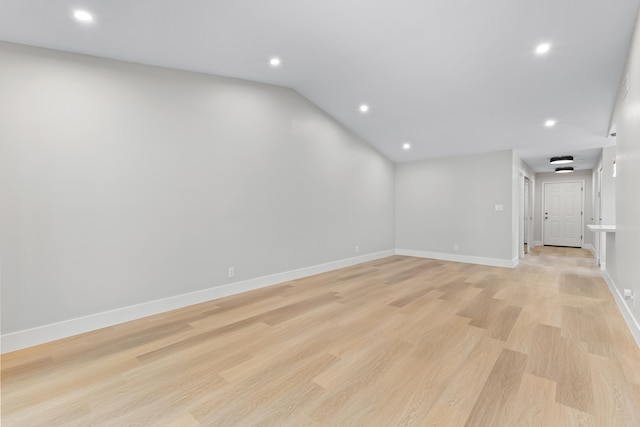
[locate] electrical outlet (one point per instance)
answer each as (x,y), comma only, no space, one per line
(357,249)
(630,295)
(456,248)
(232,272)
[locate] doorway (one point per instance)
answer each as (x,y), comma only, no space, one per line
(527,214)
(598,217)
(563,207)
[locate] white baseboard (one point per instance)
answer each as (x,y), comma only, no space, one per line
(493,262)
(632,322)
(42,334)
(536,243)
(588,246)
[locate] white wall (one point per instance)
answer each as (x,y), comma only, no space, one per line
(623,249)
(451,201)
(122,184)
(541,178)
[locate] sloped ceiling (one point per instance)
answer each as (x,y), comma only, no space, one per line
(450,77)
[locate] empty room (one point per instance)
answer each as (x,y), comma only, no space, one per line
(320,213)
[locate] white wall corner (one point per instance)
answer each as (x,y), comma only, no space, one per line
(632,322)
(590,247)
(468,259)
(55,331)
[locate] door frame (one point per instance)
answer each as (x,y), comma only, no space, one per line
(544,198)
(521,210)
(527,213)
(598,217)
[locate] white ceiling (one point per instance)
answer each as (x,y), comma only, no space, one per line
(450,76)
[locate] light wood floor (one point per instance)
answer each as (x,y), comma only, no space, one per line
(396,342)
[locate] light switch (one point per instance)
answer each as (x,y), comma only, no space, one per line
(499,208)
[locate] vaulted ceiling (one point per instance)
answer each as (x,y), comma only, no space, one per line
(450,77)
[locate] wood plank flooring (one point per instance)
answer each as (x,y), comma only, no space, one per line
(395,342)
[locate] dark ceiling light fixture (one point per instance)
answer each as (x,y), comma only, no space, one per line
(565,169)
(561,160)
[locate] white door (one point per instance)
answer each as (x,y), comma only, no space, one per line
(563,214)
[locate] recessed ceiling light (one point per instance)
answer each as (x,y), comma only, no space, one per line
(543,48)
(364,108)
(275,62)
(83,16)
(406,146)
(550,123)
